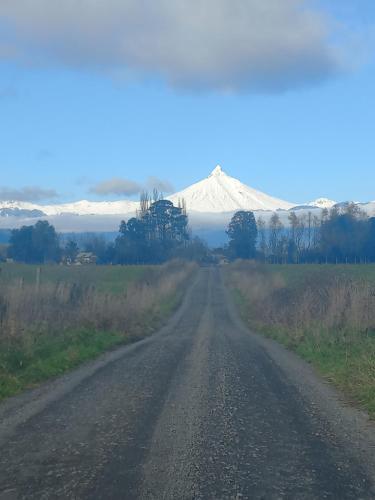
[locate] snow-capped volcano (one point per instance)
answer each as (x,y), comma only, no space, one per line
(210,204)
(221,193)
(218,193)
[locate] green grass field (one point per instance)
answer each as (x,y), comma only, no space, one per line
(111,279)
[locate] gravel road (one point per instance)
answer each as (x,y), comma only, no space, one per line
(203,409)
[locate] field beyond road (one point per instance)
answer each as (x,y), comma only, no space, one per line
(110,279)
(201,409)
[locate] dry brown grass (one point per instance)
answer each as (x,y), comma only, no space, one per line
(58,306)
(319,304)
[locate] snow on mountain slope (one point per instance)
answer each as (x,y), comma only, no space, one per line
(220,193)
(368,208)
(217,194)
(323,203)
(83,207)
(20,205)
(371,209)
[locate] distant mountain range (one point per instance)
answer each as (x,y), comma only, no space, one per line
(209,202)
(218,193)
(82,207)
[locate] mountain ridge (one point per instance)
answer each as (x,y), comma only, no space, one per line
(217,194)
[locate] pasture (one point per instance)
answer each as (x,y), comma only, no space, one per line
(110,279)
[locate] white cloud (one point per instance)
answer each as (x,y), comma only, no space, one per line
(116,186)
(126,187)
(161,185)
(225,45)
(28,193)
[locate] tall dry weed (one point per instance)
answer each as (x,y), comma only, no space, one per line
(47,308)
(317,305)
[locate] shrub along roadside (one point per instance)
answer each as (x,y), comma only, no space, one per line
(329,323)
(44,334)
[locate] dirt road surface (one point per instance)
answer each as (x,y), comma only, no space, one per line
(203,409)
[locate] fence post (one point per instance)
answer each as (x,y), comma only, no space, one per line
(37,282)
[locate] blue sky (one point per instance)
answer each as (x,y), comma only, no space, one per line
(67,126)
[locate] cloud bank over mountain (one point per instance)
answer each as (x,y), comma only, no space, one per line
(160,185)
(28,194)
(221,45)
(125,187)
(116,186)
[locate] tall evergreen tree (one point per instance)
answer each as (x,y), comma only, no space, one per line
(243,233)
(154,235)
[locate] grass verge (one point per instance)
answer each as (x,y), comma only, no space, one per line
(26,363)
(350,367)
(24,366)
(336,339)
(43,351)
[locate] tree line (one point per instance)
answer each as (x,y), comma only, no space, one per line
(340,235)
(158,233)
